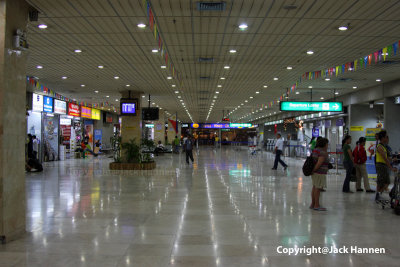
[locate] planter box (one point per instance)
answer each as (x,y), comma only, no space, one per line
(132,166)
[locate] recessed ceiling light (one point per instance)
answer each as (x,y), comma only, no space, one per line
(257,92)
(173,85)
(327,79)
(181,100)
(322,97)
(116,100)
(219,85)
(64,77)
(309,86)
(243,26)
(343,28)
(378,80)
(154,50)
(141,25)
(169,78)
(213,100)
(153,103)
(217,92)
(96,91)
(163,67)
(116,77)
(42,26)
(39,67)
(276,78)
(354,87)
(226,67)
(215,96)
(82,85)
(310,52)
(176,92)
(297,93)
(265,86)
(107,96)
(179,96)
(222,78)
(100,67)
(77,51)
(128,85)
(246,101)
(232,51)
(143,96)
(289,67)
(251,97)
(336,93)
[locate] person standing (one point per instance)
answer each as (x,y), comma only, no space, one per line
(30,146)
(313,143)
(382,165)
(189,149)
(360,157)
(278,152)
(318,176)
(348,163)
(35,147)
(176,144)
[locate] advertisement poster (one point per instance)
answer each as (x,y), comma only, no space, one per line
(89,132)
(95,114)
(73,110)
(369,147)
(86,112)
(50,138)
(315,132)
(60,107)
(98,135)
(37,102)
(48,104)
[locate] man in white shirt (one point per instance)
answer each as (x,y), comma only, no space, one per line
(278,152)
(35,147)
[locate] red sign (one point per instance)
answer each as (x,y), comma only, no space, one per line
(109,118)
(73,110)
(225,119)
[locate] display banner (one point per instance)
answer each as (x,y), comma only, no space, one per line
(370,147)
(48,104)
(98,135)
(95,114)
(86,112)
(73,110)
(37,102)
(60,107)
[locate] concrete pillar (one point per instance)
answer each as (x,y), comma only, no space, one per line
(391,122)
(13,16)
(131,126)
(159,128)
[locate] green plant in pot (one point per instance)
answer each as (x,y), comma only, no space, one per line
(131,151)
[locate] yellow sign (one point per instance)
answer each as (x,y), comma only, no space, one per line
(195,125)
(356,128)
(370,132)
(95,114)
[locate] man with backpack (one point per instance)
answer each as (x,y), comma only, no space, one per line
(360,157)
(189,149)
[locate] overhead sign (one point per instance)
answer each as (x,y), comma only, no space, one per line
(397,100)
(95,114)
(60,107)
(311,106)
(86,112)
(220,125)
(185,125)
(48,104)
(37,102)
(73,110)
(356,128)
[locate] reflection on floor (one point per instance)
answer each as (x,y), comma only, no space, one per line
(227,209)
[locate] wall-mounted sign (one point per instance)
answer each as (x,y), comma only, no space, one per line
(109,118)
(64,121)
(339,122)
(37,102)
(74,110)
(311,106)
(48,104)
(60,107)
(86,112)
(356,128)
(96,114)
(315,132)
(147,125)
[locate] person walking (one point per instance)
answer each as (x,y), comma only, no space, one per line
(382,165)
(35,147)
(318,176)
(278,152)
(176,145)
(189,149)
(348,163)
(360,157)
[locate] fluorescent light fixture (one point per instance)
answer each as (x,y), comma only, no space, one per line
(289,67)
(322,98)
(141,25)
(378,80)
(336,93)
(227,67)
(297,93)
(265,86)
(64,77)
(327,79)
(163,67)
(176,92)
(257,92)
(143,96)
(42,26)
(173,85)
(116,100)
(116,77)
(251,97)
(219,85)
(39,67)
(217,92)
(343,28)
(100,67)
(222,78)
(243,26)
(232,51)
(310,52)
(354,87)
(154,50)
(107,96)
(128,85)
(77,51)
(82,85)
(276,78)
(309,86)
(169,78)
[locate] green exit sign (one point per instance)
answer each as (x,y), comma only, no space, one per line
(312,106)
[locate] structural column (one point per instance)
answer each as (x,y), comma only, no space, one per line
(131,126)
(13,16)
(391,122)
(159,128)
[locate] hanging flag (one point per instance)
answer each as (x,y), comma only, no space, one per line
(389,50)
(369,59)
(151,19)
(155,31)
(365,61)
(166,58)
(337,70)
(376,56)
(395,47)
(384,53)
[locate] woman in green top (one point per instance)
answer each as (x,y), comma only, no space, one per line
(313,143)
(348,162)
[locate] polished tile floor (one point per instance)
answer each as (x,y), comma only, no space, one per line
(227,209)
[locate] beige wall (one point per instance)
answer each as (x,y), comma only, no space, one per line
(13,15)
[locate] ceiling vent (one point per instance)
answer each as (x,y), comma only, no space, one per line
(206,59)
(211,6)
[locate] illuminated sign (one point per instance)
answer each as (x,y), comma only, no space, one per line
(86,112)
(37,102)
(64,121)
(74,110)
(95,114)
(311,106)
(220,125)
(185,125)
(48,104)
(60,107)
(128,108)
(149,125)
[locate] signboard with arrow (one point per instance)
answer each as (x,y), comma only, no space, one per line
(311,106)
